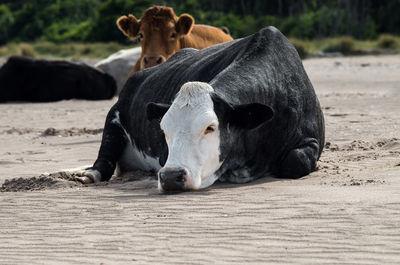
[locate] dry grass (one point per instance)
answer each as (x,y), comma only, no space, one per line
(66,50)
(306,48)
(387,41)
(348,45)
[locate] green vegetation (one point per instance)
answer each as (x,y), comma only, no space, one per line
(367,24)
(344,45)
(94,20)
(301,47)
(306,48)
(387,41)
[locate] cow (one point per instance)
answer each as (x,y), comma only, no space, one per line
(161,33)
(119,65)
(39,80)
(240,111)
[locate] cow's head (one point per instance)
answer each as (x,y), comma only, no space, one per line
(159,32)
(198,129)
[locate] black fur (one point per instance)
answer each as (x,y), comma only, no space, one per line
(156,110)
(38,80)
(263,74)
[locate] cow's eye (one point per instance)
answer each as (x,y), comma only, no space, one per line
(140,37)
(173,35)
(209,129)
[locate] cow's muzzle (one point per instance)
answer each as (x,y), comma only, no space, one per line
(150,61)
(172,179)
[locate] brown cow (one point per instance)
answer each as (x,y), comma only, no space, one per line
(161,33)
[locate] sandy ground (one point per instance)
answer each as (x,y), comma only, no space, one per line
(347,212)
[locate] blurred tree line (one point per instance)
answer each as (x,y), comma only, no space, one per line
(94,20)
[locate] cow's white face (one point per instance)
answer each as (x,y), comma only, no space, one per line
(193,134)
(191,131)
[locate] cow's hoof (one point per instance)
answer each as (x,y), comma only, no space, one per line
(84,179)
(88,176)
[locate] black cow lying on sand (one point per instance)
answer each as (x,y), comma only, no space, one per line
(37,80)
(252,112)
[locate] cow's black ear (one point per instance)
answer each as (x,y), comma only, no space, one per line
(249,116)
(156,110)
(221,108)
(184,24)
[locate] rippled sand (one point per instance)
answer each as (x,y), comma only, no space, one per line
(348,212)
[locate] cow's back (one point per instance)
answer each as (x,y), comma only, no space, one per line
(38,80)
(203,36)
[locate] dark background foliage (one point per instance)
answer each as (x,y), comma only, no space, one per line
(94,20)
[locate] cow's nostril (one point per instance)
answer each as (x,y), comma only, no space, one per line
(159,60)
(172,179)
(183,172)
(180,179)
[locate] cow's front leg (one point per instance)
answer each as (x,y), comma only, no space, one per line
(87,176)
(112,144)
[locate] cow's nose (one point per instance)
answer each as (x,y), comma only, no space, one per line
(172,179)
(150,61)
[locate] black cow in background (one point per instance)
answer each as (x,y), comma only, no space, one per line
(38,80)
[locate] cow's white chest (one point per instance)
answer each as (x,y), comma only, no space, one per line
(133,159)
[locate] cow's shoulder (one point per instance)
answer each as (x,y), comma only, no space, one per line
(279,42)
(268,47)
(131,87)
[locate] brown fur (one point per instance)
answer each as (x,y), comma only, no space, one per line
(158,26)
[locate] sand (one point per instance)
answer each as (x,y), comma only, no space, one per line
(347,212)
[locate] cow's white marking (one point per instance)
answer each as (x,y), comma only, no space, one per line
(117,121)
(132,158)
(184,125)
(207,182)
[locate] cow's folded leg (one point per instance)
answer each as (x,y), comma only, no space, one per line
(112,144)
(300,161)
